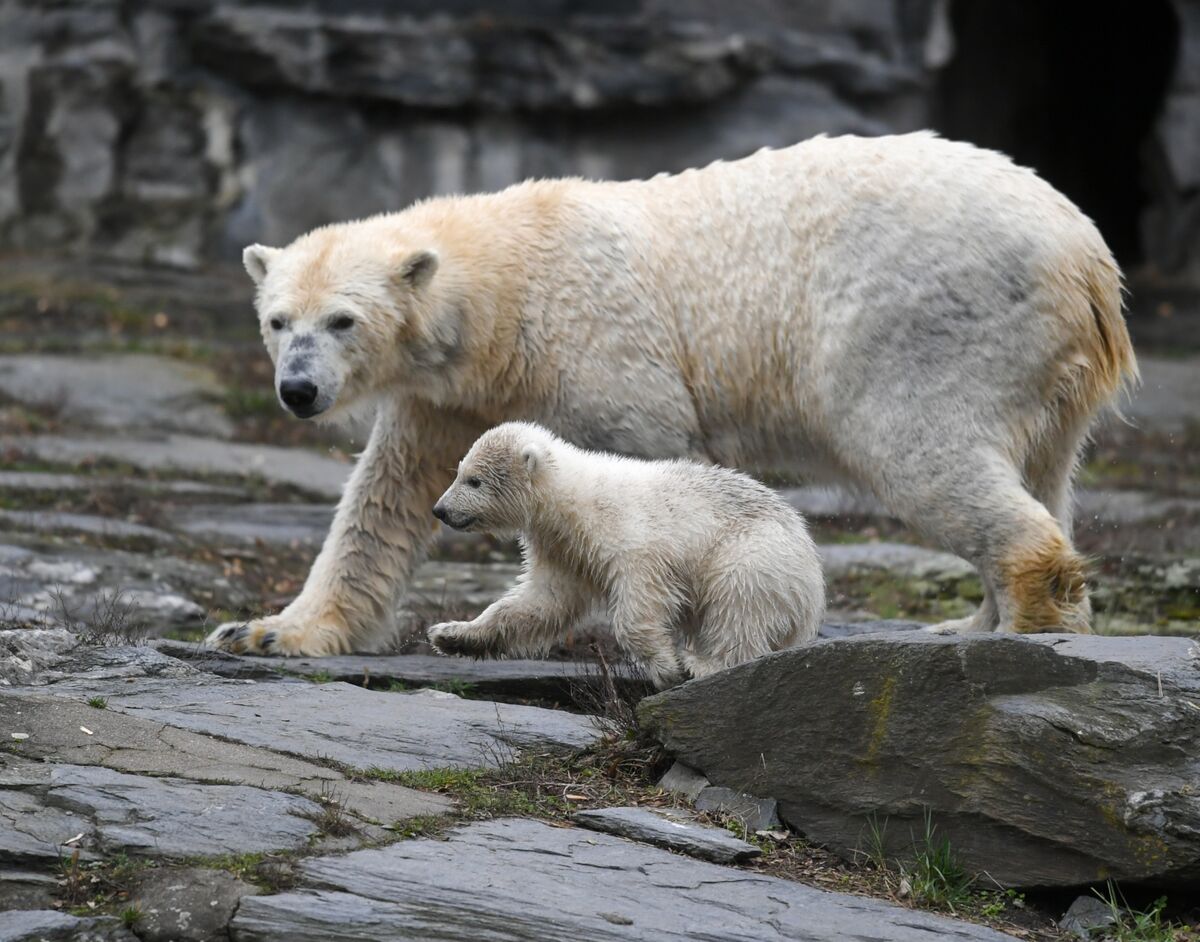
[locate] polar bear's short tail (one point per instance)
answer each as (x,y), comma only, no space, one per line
(1112,366)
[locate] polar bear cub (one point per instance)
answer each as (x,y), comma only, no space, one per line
(700,567)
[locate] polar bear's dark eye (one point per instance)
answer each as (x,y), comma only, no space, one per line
(474,482)
(276,323)
(344,322)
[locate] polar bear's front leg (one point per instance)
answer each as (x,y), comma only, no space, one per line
(381,530)
(534,614)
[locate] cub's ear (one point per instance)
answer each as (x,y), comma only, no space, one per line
(257,259)
(418,268)
(532,456)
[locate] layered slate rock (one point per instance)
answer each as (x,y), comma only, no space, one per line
(51,808)
(120,390)
(352,726)
(1046,760)
(674,830)
(192,454)
(48,925)
(138,744)
(515,677)
(524,881)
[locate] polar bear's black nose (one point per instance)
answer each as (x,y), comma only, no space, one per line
(440,512)
(298,394)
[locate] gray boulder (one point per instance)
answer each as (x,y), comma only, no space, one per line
(1051,760)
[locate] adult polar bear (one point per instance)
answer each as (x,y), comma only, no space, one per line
(916,317)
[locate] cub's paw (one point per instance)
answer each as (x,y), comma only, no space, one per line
(282,635)
(458,638)
(663,673)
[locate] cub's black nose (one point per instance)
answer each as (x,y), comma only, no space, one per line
(440,512)
(298,394)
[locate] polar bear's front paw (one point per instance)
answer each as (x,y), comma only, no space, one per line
(282,635)
(460,638)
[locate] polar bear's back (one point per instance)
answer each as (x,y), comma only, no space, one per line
(803,222)
(803,283)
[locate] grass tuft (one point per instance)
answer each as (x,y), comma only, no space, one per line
(935,877)
(1139,925)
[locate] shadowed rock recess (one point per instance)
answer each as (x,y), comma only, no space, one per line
(1046,761)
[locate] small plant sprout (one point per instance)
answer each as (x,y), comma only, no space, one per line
(97,703)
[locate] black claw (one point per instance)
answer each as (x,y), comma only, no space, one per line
(240,632)
(268,639)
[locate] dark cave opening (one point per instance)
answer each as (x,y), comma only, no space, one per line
(1069,87)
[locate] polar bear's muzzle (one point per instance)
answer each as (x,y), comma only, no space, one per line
(309,375)
(456,521)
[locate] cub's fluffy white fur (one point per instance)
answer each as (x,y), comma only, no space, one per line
(699,567)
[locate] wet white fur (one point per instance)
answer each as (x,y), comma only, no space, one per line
(917,318)
(698,567)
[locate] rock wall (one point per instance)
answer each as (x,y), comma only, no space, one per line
(175,131)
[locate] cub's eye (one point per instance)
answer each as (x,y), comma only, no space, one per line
(474,482)
(276,323)
(344,322)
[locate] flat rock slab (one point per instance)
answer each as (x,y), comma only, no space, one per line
(134,391)
(902,559)
(48,925)
(298,467)
(47,521)
(27,889)
(134,744)
(1046,760)
(33,657)
(151,816)
(154,592)
(523,881)
(284,524)
(674,830)
(36,481)
(754,814)
(350,725)
(516,678)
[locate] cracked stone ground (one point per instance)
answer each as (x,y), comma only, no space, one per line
(150,487)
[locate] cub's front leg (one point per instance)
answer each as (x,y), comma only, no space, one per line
(534,614)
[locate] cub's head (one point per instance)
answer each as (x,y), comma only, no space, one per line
(496,485)
(348,310)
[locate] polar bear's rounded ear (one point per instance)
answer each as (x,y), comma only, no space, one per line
(418,268)
(531,457)
(257,259)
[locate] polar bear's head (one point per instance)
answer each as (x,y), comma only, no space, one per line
(497,482)
(348,310)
